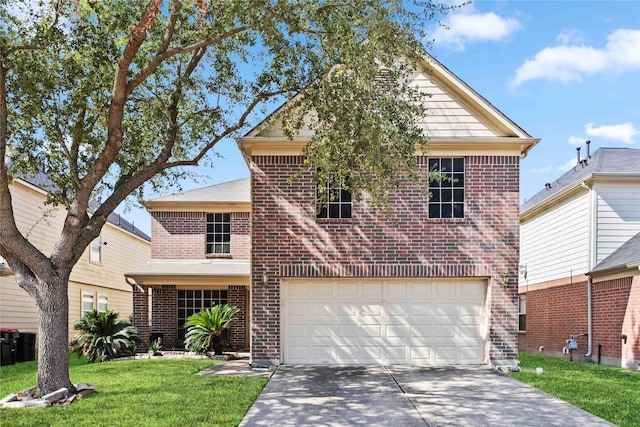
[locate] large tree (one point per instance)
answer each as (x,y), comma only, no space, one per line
(110,97)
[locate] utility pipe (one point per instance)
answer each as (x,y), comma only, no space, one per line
(590,263)
(589,317)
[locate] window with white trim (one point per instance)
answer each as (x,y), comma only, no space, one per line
(336,202)
(218,233)
(522,313)
(87,302)
(191,301)
(447,192)
(95,251)
(103,303)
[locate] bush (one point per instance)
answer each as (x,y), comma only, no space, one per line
(101,336)
(204,329)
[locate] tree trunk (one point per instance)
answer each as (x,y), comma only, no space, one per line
(53,337)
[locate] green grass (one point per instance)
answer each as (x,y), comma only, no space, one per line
(155,392)
(610,393)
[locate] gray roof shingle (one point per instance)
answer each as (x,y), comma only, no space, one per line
(627,254)
(238,191)
(622,161)
(42,181)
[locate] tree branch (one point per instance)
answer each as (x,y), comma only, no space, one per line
(158,59)
(290,24)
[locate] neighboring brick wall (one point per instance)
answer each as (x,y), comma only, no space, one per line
(141,314)
(286,238)
(181,235)
(558,310)
(553,314)
(631,327)
(238,296)
(164,314)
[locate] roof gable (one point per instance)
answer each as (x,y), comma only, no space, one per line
(455,112)
(230,192)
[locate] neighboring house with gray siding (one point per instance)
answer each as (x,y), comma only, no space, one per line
(579,258)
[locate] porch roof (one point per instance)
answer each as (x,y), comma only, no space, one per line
(200,267)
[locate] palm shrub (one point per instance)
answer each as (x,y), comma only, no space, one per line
(101,336)
(204,329)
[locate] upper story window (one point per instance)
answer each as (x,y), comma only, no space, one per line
(447,194)
(95,252)
(336,204)
(218,233)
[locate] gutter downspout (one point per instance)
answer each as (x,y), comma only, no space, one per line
(589,317)
(591,258)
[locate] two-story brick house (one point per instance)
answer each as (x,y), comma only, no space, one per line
(434,282)
(199,258)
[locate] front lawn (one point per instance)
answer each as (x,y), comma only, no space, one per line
(610,393)
(156,392)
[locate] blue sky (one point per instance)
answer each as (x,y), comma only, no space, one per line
(564,71)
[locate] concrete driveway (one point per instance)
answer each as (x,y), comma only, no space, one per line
(406,397)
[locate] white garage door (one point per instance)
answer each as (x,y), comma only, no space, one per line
(413,322)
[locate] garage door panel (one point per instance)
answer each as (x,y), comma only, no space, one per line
(370,309)
(371,289)
(347,289)
(420,354)
(416,310)
(396,331)
(346,309)
(395,310)
(404,321)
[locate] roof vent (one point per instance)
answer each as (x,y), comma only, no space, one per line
(578,152)
(547,186)
(588,149)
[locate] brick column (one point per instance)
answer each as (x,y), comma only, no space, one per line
(141,315)
(164,314)
(238,296)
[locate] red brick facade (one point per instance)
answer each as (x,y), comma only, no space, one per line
(182,235)
(288,241)
(557,310)
(163,313)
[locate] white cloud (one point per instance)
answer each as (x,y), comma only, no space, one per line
(570,63)
(570,36)
(576,140)
(567,165)
(469,27)
(623,132)
(545,169)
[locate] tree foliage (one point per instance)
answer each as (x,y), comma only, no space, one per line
(101,336)
(204,329)
(110,98)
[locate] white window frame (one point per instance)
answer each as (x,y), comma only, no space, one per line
(522,313)
(103,299)
(88,298)
(95,250)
